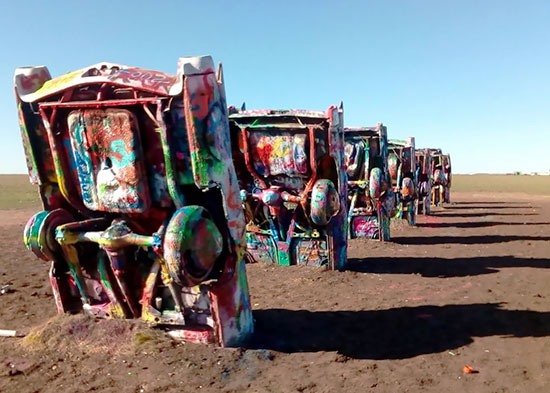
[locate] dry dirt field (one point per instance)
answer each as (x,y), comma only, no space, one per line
(502,183)
(468,286)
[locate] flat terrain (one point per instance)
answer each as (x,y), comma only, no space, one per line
(17,192)
(537,185)
(468,286)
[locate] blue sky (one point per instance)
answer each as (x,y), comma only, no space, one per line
(471,77)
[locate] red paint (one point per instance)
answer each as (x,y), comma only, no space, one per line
(34,81)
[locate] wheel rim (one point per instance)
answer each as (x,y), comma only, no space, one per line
(192,245)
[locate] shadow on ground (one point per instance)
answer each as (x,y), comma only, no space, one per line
(442,267)
(486,203)
(396,333)
(444,213)
(480,224)
(478,239)
(488,207)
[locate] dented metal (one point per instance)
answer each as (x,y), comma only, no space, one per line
(424,180)
(442,177)
(371,198)
(142,211)
(402,168)
(293,186)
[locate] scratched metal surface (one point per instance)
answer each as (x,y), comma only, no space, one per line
(142,214)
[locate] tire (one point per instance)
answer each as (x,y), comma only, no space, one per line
(407,189)
(192,245)
(375,183)
(393,165)
(39,233)
(325,202)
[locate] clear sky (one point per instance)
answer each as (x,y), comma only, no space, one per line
(469,76)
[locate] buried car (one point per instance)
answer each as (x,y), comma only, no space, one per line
(441,189)
(289,164)
(142,215)
(402,168)
(371,199)
(424,180)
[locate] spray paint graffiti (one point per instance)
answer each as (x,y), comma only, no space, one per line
(442,177)
(293,188)
(424,180)
(148,79)
(279,154)
(106,150)
(402,165)
(371,199)
(137,181)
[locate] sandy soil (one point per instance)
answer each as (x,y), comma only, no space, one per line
(468,286)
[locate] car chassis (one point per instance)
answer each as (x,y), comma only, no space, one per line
(371,199)
(424,181)
(402,167)
(142,215)
(442,176)
(292,186)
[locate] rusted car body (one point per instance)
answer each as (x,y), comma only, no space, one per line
(371,199)
(289,164)
(402,168)
(441,190)
(424,180)
(142,215)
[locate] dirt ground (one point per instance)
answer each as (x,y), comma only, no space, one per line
(468,286)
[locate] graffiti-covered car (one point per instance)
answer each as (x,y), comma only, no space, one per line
(142,215)
(402,168)
(441,174)
(424,179)
(289,165)
(371,199)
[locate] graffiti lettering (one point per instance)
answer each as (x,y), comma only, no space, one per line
(147,79)
(62,81)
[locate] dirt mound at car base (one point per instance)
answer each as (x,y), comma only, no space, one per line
(66,332)
(77,354)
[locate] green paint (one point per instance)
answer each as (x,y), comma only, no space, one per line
(367,161)
(74,272)
(103,273)
(173,190)
(32,165)
(283,258)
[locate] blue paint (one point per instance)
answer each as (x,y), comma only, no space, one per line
(127,159)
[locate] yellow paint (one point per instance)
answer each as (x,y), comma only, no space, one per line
(147,316)
(54,84)
(281,148)
(116,311)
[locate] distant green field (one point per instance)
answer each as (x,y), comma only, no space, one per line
(538,185)
(16,192)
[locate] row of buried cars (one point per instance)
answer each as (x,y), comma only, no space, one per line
(155,193)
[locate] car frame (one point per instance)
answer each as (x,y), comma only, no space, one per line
(442,178)
(371,199)
(293,188)
(402,168)
(141,210)
(424,180)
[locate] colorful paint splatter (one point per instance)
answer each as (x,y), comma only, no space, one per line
(293,187)
(402,165)
(371,199)
(142,212)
